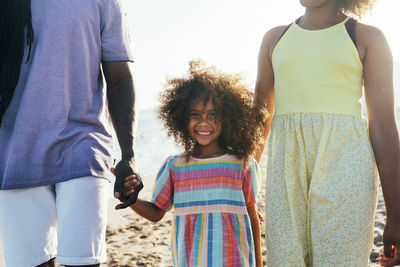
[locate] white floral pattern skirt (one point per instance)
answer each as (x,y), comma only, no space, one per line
(321,191)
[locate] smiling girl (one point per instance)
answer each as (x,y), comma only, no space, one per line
(213,184)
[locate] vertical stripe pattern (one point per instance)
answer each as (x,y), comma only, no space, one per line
(210,199)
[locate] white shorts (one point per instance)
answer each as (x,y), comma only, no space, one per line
(67,220)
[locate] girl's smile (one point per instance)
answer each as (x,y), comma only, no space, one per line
(205,128)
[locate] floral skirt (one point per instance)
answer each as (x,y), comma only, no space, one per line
(321,191)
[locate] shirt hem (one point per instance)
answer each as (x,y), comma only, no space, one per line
(116,57)
(60,180)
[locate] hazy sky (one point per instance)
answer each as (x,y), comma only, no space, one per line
(224,33)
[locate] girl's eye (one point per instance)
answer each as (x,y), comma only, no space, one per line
(212,116)
(194,115)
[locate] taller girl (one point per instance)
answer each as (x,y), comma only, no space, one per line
(322,180)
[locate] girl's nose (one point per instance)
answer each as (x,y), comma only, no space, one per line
(203,119)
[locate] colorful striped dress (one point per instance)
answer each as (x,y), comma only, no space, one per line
(210,199)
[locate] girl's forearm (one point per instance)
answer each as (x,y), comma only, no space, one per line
(148,210)
(386,147)
(255,227)
(257,242)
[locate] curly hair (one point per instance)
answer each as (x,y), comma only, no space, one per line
(241,118)
(356,7)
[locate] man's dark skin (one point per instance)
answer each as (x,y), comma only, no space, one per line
(121,105)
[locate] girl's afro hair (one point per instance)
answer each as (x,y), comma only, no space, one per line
(241,118)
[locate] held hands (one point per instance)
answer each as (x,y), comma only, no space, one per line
(127,184)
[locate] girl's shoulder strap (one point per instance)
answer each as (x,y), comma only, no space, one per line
(350,25)
(284,31)
(350,28)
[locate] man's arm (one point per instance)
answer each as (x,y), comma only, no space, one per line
(121,104)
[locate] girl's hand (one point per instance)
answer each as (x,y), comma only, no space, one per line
(391,242)
(129,190)
(129,185)
(393,259)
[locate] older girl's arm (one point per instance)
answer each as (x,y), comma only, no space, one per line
(379,95)
(264,89)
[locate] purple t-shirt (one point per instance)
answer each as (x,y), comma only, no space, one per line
(57,126)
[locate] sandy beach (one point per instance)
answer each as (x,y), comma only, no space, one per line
(134,241)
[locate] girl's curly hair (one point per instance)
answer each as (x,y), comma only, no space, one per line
(241,118)
(356,7)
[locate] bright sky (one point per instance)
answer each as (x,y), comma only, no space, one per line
(224,33)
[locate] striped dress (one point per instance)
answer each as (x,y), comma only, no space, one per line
(210,199)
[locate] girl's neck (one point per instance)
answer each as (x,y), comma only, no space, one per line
(201,153)
(321,17)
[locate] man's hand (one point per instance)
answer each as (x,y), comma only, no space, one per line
(127,195)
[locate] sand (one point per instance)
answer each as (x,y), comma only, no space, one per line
(134,241)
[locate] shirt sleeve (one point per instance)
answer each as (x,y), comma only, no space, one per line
(251,184)
(163,189)
(115,36)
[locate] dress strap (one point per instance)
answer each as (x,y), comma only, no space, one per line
(283,33)
(350,25)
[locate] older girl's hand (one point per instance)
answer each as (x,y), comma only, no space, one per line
(393,259)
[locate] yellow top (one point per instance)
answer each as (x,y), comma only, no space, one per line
(317,71)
